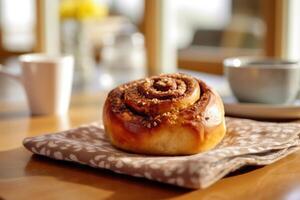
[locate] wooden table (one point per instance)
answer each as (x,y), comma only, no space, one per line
(26,176)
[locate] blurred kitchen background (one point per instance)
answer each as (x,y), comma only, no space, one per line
(115,41)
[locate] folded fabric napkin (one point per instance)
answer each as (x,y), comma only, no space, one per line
(247,142)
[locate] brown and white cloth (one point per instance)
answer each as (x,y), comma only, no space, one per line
(247,142)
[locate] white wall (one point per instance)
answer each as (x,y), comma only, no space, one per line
(293,30)
(51,28)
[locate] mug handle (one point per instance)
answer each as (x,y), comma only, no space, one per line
(9,74)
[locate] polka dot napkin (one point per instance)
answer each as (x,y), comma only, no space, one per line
(247,142)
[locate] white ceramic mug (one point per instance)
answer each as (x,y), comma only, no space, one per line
(47,81)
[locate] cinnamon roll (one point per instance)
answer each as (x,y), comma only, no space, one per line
(170,114)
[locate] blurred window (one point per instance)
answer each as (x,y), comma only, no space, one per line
(209,31)
(18,20)
(132,9)
(196,16)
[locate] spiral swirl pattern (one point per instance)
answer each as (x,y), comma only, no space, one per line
(159,98)
(161,94)
(170,114)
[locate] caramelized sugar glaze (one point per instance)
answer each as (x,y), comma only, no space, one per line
(158,99)
(144,106)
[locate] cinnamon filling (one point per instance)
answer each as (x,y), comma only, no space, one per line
(159,98)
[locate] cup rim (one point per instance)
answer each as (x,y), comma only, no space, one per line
(44,58)
(260,62)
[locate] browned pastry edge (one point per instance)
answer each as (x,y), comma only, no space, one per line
(193,129)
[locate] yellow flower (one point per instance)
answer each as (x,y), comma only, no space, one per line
(82,10)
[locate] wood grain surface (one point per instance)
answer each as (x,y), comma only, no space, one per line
(27,176)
